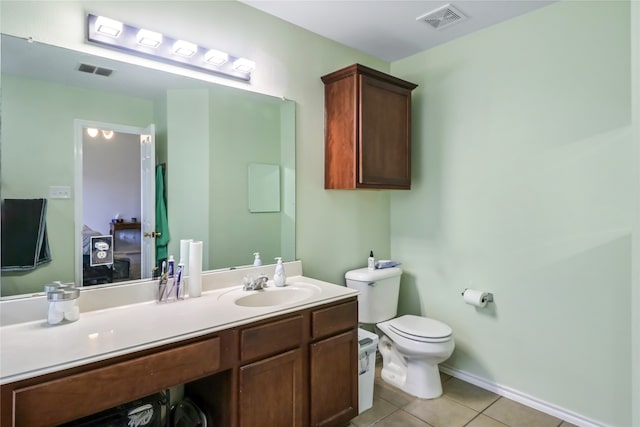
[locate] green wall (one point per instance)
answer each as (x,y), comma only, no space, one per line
(523,187)
(235,143)
(498,176)
(38,151)
(213,135)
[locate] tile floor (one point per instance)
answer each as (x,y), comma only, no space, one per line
(462,404)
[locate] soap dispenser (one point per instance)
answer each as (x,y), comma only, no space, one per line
(256,260)
(279,278)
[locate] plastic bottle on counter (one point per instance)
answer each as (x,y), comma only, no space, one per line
(279,278)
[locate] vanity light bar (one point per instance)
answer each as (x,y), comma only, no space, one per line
(117,35)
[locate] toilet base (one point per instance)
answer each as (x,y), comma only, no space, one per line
(415,376)
(421,379)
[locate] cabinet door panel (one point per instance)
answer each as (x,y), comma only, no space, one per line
(334,380)
(385,143)
(271,392)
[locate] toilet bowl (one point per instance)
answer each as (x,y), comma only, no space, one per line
(411,349)
(411,346)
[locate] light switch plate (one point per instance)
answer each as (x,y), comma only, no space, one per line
(59,192)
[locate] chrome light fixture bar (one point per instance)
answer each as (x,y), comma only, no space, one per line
(117,35)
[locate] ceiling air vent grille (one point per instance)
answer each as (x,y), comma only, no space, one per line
(92,69)
(442,17)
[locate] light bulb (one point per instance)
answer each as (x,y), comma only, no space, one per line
(244,65)
(108,134)
(149,38)
(216,57)
(92,132)
(108,27)
(184,48)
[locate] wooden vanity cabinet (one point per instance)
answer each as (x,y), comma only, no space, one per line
(297,369)
(367,129)
(310,377)
(271,387)
(333,366)
(75,393)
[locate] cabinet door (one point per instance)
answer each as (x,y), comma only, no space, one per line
(385,140)
(334,380)
(271,392)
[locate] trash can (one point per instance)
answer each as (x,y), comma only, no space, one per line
(367,345)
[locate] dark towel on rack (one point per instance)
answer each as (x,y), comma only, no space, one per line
(25,245)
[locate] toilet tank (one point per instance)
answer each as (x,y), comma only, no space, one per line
(379,290)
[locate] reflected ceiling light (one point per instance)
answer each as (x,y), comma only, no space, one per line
(109,27)
(143,42)
(92,132)
(149,38)
(184,48)
(216,57)
(107,134)
(244,65)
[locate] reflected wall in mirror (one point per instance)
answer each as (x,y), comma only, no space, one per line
(206,134)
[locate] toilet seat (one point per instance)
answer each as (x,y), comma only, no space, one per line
(420,329)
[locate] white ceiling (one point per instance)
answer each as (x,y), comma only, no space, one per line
(388,29)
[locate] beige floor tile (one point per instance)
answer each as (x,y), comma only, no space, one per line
(392,394)
(401,419)
(484,421)
(468,394)
(441,412)
(380,409)
(515,414)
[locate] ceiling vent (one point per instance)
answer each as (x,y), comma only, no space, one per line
(442,17)
(92,69)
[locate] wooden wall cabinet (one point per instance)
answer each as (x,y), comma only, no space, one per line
(297,369)
(367,129)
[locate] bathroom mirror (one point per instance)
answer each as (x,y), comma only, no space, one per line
(207,135)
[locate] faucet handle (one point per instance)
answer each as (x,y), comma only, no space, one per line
(261,281)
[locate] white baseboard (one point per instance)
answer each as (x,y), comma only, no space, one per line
(530,401)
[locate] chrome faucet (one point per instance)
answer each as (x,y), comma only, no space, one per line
(251,284)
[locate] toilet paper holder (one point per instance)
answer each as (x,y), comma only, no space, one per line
(486,298)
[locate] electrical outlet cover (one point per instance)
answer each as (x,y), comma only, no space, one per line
(60,192)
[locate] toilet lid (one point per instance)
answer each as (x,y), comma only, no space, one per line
(420,328)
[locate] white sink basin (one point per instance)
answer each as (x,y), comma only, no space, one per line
(271,295)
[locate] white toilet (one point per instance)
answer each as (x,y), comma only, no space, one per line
(411,346)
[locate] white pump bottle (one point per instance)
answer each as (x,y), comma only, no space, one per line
(279,277)
(256,260)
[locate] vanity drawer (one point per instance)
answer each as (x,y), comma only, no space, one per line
(270,338)
(331,320)
(65,399)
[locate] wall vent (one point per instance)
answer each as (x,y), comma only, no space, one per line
(442,17)
(92,69)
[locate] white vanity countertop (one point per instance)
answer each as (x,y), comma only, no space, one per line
(35,348)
